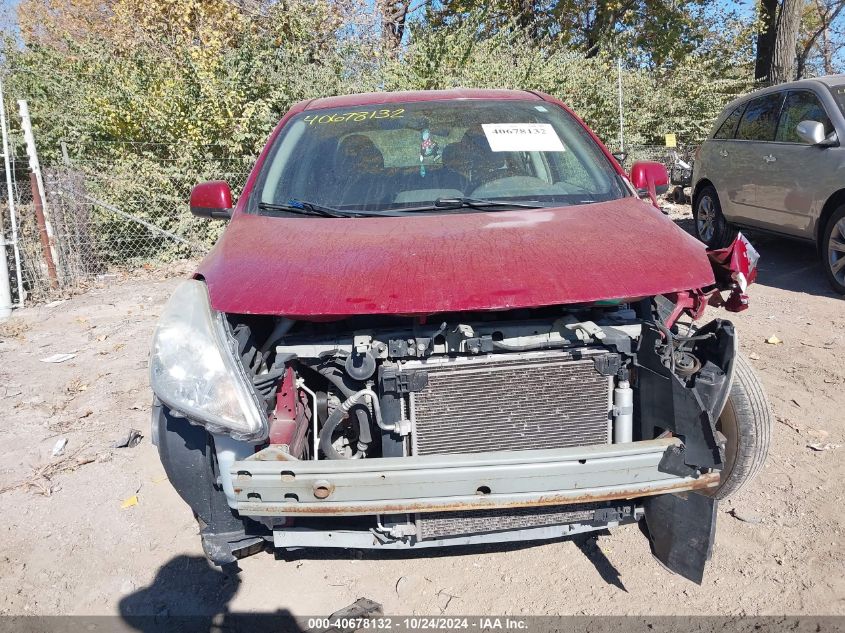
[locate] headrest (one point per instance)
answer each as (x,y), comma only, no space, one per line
(360,151)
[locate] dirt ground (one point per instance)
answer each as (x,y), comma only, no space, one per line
(70,543)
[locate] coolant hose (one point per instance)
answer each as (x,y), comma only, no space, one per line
(328,430)
(339,379)
(337,415)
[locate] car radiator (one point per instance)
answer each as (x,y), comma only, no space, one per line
(510,402)
(501,402)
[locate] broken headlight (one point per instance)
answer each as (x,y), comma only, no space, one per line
(194,372)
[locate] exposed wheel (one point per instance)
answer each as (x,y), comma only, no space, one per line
(711,227)
(833,250)
(678,195)
(746,423)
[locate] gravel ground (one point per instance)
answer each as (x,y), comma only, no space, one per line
(69,546)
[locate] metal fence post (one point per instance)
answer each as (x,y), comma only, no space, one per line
(38,194)
(5,282)
(621,109)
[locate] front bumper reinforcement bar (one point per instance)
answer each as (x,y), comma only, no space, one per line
(442,483)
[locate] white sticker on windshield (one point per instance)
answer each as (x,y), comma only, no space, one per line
(522,137)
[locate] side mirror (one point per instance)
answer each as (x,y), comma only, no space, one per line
(649,179)
(212,200)
(811,132)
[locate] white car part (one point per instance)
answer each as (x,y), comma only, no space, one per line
(623,413)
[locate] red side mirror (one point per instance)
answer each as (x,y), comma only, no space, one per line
(650,179)
(212,200)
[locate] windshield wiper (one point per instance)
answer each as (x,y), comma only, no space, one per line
(476,203)
(310,208)
(307,208)
(442,204)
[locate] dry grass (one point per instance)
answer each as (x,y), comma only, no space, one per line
(41,478)
(13,328)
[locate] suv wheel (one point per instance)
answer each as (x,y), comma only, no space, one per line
(710,224)
(746,423)
(833,250)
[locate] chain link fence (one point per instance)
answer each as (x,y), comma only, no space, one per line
(114,208)
(117,207)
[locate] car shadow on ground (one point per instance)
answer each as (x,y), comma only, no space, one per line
(189,594)
(790,265)
(786,264)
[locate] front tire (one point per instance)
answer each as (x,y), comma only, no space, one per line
(746,423)
(833,250)
(711,227)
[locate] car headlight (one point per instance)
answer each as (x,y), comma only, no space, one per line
(193,369)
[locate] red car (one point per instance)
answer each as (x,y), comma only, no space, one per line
(447,318)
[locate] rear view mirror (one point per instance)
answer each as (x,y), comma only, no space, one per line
(650,179)
(811,132)
(212,200)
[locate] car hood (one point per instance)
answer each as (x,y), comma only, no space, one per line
(414,265)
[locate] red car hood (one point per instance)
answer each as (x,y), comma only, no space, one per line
(325,267)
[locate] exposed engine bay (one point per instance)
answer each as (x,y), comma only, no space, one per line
(487,384)
(452,386)
(473,382)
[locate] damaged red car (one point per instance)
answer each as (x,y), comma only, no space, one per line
(449,318)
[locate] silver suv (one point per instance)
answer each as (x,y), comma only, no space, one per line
(774,162)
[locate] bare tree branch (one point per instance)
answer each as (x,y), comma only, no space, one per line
(827,18)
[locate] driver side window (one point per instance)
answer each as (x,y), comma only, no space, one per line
(801,105)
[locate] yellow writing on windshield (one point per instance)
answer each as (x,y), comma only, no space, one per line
(358,116)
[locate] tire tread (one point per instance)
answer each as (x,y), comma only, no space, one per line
(724,234)
(754,425)
(835,217)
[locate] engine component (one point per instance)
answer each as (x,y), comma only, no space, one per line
(337,416)
(623,413)
(509,402)
(686,364)
(347,387)
(421,341)
(360,366)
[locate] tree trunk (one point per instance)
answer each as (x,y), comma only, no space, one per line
(526,13)
(786,41)
(766,38)
(394,14)
(827,52)
(598,31)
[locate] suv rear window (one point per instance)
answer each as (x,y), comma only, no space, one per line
(761,118)
(728,127)
(800,106)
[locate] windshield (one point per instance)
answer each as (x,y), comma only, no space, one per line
(413,155)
